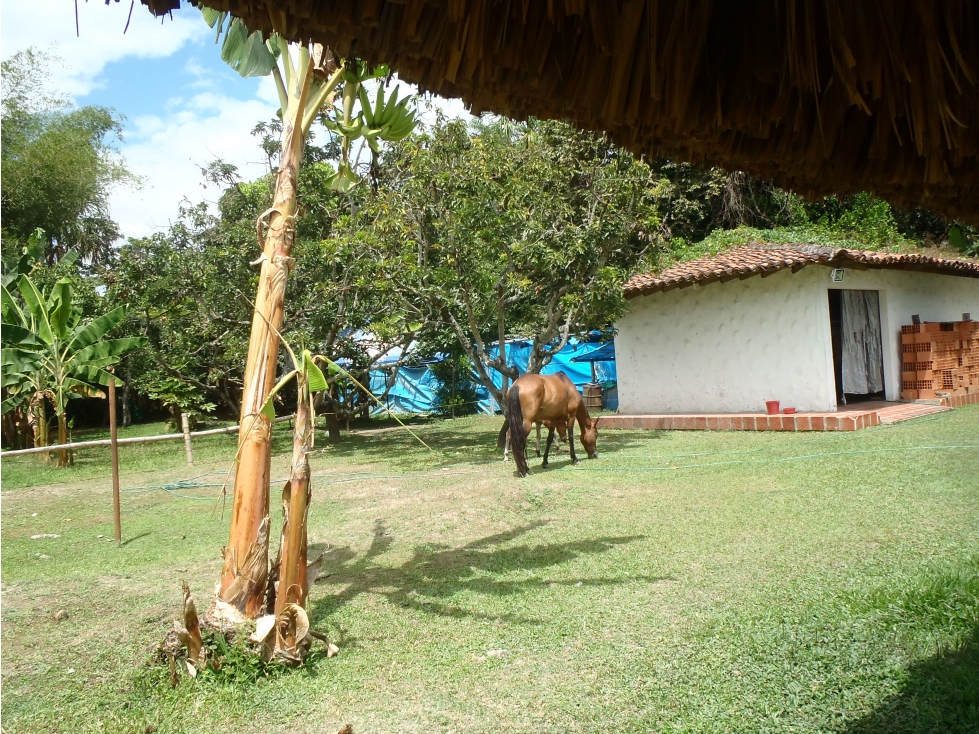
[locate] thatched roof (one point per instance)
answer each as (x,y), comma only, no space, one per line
(822,96)
(744,262)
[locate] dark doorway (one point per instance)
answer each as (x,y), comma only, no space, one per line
(836,329)
(858,360)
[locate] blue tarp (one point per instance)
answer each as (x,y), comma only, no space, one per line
(413,388)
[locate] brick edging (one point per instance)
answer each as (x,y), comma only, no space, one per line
(797,422)
(957,401)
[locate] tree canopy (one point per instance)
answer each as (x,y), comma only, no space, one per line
(502,229)
(58,166)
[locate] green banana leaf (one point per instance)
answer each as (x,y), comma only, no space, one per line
(38,307)
(97,328)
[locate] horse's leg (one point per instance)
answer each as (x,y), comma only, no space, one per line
(547,448)
(574,459)
(506,448)
(538,439)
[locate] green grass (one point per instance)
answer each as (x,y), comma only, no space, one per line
(683,582)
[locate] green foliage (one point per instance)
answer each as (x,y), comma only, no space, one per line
(966,243)
(456,394)
(175,394)
(384,118)
(185,290)
(58,166)
(245,52)
(704,211)
(538,223)
(693,202)
(50,353)
(867,222)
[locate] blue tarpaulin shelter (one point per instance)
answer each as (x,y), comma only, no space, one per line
(413,388)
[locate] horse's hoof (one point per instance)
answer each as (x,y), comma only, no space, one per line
(543,464)
(576,462)
(593,455)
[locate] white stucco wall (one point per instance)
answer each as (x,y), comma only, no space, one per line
(902,294)
(730,347)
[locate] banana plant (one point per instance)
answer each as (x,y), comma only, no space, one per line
(290,574)
(49,353)
(308,79)
(284,628)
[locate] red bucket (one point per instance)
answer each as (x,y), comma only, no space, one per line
(772,406)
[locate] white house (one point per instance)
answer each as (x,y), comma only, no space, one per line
(801,324)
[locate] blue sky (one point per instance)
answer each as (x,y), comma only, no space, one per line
(183,106)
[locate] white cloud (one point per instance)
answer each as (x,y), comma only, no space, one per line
(50,24)
(168,152)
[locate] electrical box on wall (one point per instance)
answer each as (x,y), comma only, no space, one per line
(836,275)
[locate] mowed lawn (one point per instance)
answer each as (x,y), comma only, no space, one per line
(682,582)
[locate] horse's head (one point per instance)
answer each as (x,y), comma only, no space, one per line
(589,438)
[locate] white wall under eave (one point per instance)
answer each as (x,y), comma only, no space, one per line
(730,347)
(904,293)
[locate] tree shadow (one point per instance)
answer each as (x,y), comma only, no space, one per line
(941,695)
(434,573)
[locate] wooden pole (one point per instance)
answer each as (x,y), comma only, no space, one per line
(185,423)
(114,450)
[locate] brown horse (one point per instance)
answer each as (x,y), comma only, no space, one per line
(554,400)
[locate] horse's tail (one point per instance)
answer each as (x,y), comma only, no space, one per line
(518,437)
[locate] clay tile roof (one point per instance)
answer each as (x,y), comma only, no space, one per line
(744,262)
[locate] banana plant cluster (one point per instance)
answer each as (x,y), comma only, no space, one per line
(308,80)
(386,118)
(49,353)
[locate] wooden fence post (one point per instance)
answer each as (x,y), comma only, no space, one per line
(185,423)
(114,451)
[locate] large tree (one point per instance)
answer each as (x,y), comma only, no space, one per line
(500,229)
(58,165)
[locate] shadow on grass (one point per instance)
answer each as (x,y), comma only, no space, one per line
(941,695)
(134,538)
(434,573)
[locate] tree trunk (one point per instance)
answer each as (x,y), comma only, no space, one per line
(293,583)
(332,417)
(14,428)
(62,439)
(501,333)
(41,429)
(504,379)
(127,418)
(243,581)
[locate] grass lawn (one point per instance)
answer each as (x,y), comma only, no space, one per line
(683,582)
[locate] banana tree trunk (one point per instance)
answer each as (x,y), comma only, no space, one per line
(40,416)
(245,574)
(293,581)
(62,439)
